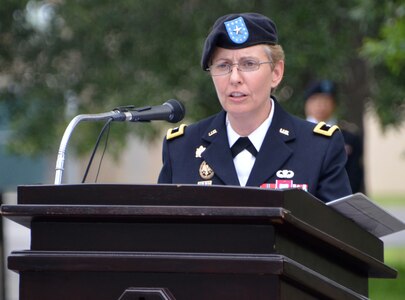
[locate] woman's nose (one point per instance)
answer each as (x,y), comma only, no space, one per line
(236,76)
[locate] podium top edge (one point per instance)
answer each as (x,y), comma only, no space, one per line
(127,194)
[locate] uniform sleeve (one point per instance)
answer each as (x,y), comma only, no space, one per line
(334,182)
(165,175)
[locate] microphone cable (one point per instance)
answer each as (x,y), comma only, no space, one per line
(106,125)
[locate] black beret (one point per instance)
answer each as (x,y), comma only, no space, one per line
(237,31)
(321,87)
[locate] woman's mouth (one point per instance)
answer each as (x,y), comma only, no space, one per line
(237,95)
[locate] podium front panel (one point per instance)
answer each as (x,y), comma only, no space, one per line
(96,241)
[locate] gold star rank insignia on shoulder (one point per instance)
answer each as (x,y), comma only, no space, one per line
(175,132)
(324,129)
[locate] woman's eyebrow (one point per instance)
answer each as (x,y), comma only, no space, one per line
(240,58)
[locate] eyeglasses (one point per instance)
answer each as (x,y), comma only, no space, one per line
(243,66)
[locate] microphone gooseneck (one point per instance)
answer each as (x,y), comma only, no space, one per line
(172,111)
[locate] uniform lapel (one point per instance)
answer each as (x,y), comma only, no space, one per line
(274,151)
(218,154)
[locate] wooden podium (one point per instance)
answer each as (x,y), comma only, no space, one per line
(145,242)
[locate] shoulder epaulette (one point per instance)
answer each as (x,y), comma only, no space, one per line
(324,129)
(175,132)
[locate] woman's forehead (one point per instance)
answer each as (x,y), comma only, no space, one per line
(253,51)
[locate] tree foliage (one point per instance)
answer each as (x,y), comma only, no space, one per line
(61,58)
(386,54)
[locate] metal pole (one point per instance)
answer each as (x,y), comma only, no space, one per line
(68,132)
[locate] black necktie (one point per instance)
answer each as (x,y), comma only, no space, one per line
(241,144)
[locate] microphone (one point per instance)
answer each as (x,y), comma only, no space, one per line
(172,111)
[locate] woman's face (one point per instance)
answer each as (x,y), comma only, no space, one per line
(246,94)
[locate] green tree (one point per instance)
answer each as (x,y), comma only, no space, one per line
(62,58)
(385,51)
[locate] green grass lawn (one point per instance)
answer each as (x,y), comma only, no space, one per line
(389,200)
(390,289)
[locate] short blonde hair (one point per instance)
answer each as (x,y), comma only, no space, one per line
(274,52)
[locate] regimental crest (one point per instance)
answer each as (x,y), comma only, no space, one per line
(237,30)
(206,172)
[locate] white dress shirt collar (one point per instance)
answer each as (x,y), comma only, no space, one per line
(257,136)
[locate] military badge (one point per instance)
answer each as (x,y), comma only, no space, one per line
(237,30)
(212,132)
(285,174)
(284,131)
(199,151)
(205,182)
(176,132)
(284,184)
(206,172)
(324,129)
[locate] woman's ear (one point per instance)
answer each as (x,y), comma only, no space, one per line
(278,72)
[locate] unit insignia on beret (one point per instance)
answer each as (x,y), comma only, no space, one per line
(324,129)
(175,132)
(237,30)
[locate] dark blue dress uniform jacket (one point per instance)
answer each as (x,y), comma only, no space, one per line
(290,144)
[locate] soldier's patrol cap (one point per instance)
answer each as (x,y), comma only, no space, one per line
(237,31)
(321,87)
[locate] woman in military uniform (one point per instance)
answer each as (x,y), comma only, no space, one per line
(253,141)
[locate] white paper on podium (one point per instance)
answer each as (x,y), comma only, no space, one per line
(367,214)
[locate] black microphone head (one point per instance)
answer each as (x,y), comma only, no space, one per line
(178,110)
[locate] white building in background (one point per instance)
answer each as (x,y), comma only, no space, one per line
(384,158)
